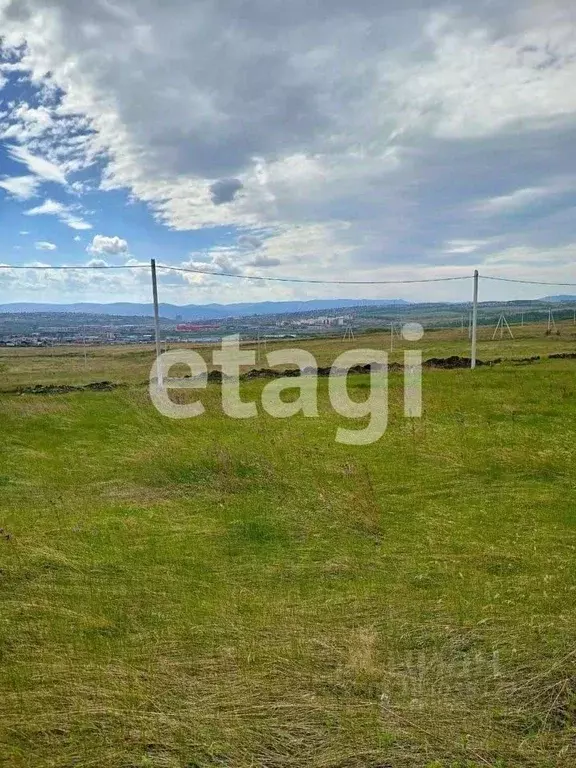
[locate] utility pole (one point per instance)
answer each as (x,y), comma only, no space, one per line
(160,377)
(474,320)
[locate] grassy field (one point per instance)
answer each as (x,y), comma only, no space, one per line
(251,594)
(131,363)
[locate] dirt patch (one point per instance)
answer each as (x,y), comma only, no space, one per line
(435,362)
(450,363)
(264,373)
(60,389)
(216,376)
(270,373)
(525,360)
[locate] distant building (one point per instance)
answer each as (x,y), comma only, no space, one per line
(195,327)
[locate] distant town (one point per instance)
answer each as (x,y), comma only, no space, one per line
(28,329)
(52,328)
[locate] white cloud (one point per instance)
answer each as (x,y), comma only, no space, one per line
(522,198)
(313,250)
(65,213)
(43,245)
(75,222)
(20,187)
(86,285)
(113,246)
(47,208)
(463,246)
(340,139)
(39,166)
(510,260)
(27,123)
(479,82)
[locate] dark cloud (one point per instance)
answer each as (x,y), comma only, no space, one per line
(264,261)
(225,190)
(393,127)
(250,242)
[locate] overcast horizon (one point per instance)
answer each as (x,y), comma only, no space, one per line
(373,141)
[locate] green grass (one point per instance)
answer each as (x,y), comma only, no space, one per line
(212,592)
(131,364)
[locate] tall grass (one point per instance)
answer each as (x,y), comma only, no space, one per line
(216,592)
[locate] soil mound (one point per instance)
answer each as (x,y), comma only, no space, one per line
(60,389)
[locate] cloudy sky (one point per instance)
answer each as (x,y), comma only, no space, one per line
(367,140)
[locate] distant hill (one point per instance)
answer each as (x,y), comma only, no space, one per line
(560,297)
(202,311)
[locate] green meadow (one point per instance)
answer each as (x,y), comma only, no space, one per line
(131,363)
(251,594)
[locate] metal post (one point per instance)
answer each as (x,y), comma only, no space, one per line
(474,320)
(160,379)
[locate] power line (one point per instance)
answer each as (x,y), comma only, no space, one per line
(529,282)
(241,276)
(266,278)
(311,280)
(94,266)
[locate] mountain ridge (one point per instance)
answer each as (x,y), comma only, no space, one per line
(198,311)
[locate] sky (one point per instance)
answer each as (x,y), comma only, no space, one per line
(366,141)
